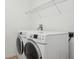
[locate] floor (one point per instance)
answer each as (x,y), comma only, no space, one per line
(14,57)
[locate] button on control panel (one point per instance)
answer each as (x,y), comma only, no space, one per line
(38,37)
(35,36)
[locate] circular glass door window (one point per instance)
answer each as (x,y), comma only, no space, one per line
(30,51)
(19,44)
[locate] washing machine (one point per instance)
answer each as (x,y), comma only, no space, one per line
(46,45)
(20,42)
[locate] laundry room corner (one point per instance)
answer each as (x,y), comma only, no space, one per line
(39,29)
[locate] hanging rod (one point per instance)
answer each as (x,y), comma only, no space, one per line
(44,6)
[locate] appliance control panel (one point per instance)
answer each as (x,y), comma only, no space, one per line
(34,36)
(37,37)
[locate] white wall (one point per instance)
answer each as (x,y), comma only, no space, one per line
(52,19)
(16,20)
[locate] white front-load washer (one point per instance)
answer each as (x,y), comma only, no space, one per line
(20,42)
(46,45)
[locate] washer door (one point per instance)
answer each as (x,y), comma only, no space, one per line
(32,51)
(19,45)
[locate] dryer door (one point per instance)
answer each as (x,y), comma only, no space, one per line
(32,50)
(19,45)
